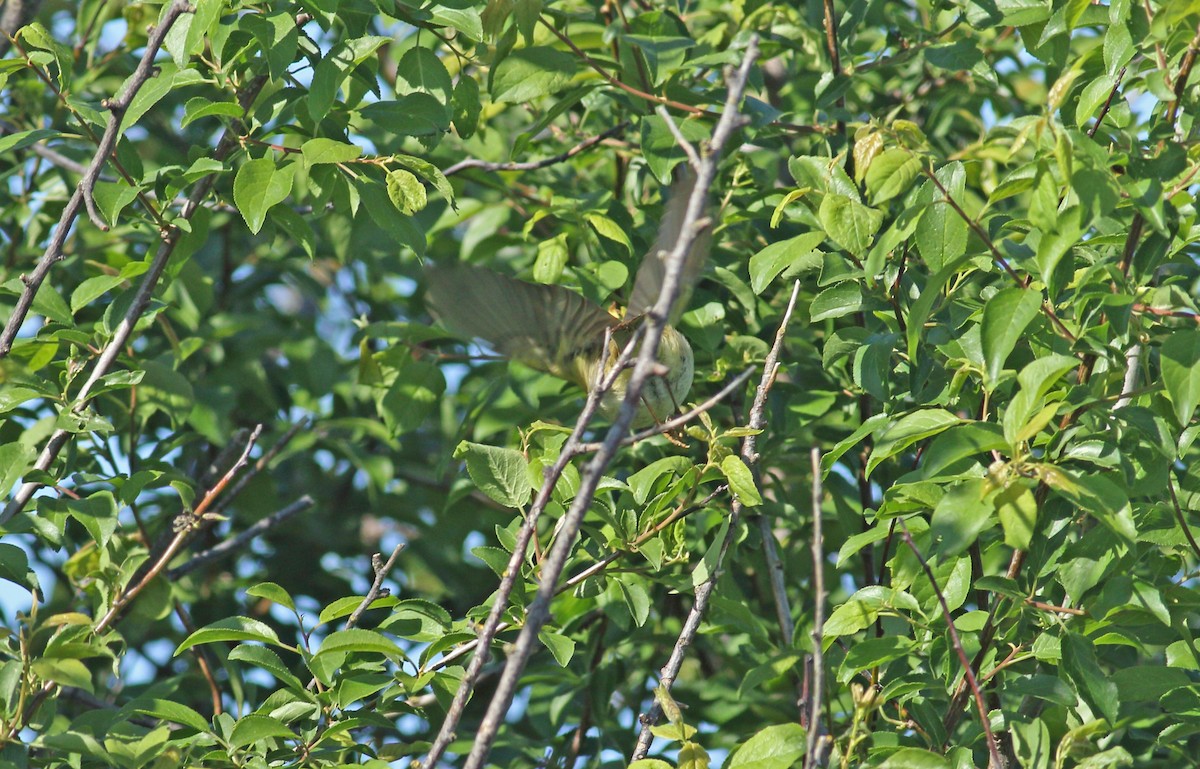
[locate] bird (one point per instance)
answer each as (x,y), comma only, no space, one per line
(558,331)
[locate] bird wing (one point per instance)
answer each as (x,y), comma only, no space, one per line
(550,328)
(648,283)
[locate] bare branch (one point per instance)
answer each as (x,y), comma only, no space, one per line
(817,681)
(692,156)
(13,15)
(262,463)
(1129,384)
(185,529)
(492,625)
(381,571)
(682,419)
(231,546)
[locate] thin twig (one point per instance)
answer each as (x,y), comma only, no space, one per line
(262,463)
(202,655)
(817,680)
(1056,609)
(775,571)
(1181,79)
(194,517)
(1107,103)
(1183,524)
(377,590)
(749,453)
(682,419)
(993,751)
(231,546)
(83,192)
(692,156)
(533,165)
(997,257)
(647,362)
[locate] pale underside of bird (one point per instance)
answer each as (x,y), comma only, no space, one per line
(553,329)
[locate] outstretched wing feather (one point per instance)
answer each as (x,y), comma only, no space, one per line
(550,328)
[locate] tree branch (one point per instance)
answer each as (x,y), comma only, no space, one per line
(231,546)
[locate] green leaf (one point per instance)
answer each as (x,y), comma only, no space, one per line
(531,73)
(1093,684)
(636,598)
(333,67)
(1181,371)
(849,223)
(259,184)
(1017,510)
(19,140)
(562,647)
(551,259)
(915,758)
(14,564)
(15,460)
(741,481)
(273,593)
(873,652)
(1054,244)
(941,234)
(253,727)
(265,659)
(406,191)
(360,640)
(609,229)
(775,747)
(465,107)
(644,481)
(1005,317)
(836,301)
(499,473)
(420,70)
(231,629)
(907,430)
(848,619)
(168,78)
(397,225)
(322,150)
(174,712)
(891,173)
(798,254)
(67,672)
(960,516)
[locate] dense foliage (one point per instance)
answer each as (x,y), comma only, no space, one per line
(221,392)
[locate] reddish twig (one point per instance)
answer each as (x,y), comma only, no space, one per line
(993,752)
